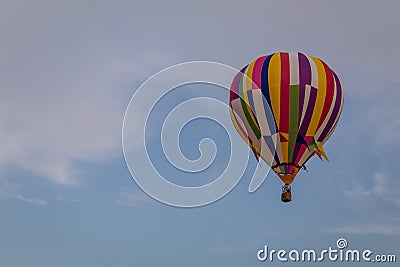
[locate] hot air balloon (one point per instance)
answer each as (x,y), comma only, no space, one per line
(285,106)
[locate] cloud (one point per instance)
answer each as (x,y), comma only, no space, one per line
(380,199)
(68,200)
(64,91)
(384,229)
(30,200)
(384,114)
(383,186)
(49,125)
(386,187)
(7,188)
(133,198)
(370,132)
(357,192)
(67,73)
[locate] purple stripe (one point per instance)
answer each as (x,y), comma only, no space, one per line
(235,87)
(305,78)
(306,120)
(336,109)
(309,111)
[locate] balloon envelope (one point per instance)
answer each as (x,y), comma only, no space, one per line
(286,106)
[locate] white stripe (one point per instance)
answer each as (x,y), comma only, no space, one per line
(323,125)
(266,153)
(305,102)
(294,68)
(260,112)
(278,146)
(305,156)
(314,72)
(336,119)
(237,107)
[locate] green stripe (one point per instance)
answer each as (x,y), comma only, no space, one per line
(293,118)
(246,109)
(313,144)
(282,169)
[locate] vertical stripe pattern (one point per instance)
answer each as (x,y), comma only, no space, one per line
(283,102)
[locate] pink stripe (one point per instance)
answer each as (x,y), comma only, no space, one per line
(257,72)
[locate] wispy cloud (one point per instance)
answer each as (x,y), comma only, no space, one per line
(66,83)
(30,200)
(7,188)
(384,115)
(357,192)
(67,110)
(133,198)
(386,187)
(383,186)
(369,229)
(68,200)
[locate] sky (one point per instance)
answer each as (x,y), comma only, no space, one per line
(68,70)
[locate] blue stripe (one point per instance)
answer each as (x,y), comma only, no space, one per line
(264,79)
(251,102)
(269,116)
(265,88)
(271,146)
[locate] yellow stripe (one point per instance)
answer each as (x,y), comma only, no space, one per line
(285,147)
(322,151)
(319,103)
(285,135)
(274,83)
(248,83)
(249,78)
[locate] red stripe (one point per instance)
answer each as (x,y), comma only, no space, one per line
(257,72)
(329,93)
(285,91)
